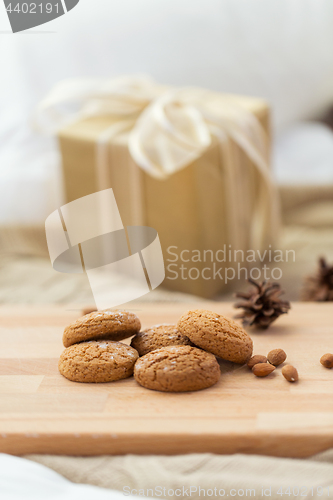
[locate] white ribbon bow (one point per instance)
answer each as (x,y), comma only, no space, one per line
(170,128)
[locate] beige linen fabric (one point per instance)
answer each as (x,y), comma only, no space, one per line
(232,473)
(28,277)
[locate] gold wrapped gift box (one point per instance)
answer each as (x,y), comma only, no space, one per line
(190,209)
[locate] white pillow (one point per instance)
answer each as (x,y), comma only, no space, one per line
(277,49)
(303,154)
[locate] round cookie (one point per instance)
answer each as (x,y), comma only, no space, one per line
(156,337)
(95,361)
(217,334)
(177,369)
(107,325)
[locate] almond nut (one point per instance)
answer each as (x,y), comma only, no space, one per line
(263,369)
(256,359)
(327,360)
(290,373)
(276,357)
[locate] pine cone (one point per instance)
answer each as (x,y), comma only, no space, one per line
(262,304)
(319,287)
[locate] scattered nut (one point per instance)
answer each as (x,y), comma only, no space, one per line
(290,373)
(256,359)
(263,369)
(327,360)
(276,357)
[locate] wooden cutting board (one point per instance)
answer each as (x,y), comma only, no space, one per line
(42,412)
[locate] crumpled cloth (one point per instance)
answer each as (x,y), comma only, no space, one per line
(182,476)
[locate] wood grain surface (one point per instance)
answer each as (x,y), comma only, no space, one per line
(42,412)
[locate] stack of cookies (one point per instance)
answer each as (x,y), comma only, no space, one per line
(93,352)
(169,358)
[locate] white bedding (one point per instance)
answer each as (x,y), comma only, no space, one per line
(303,154)
(22,479)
